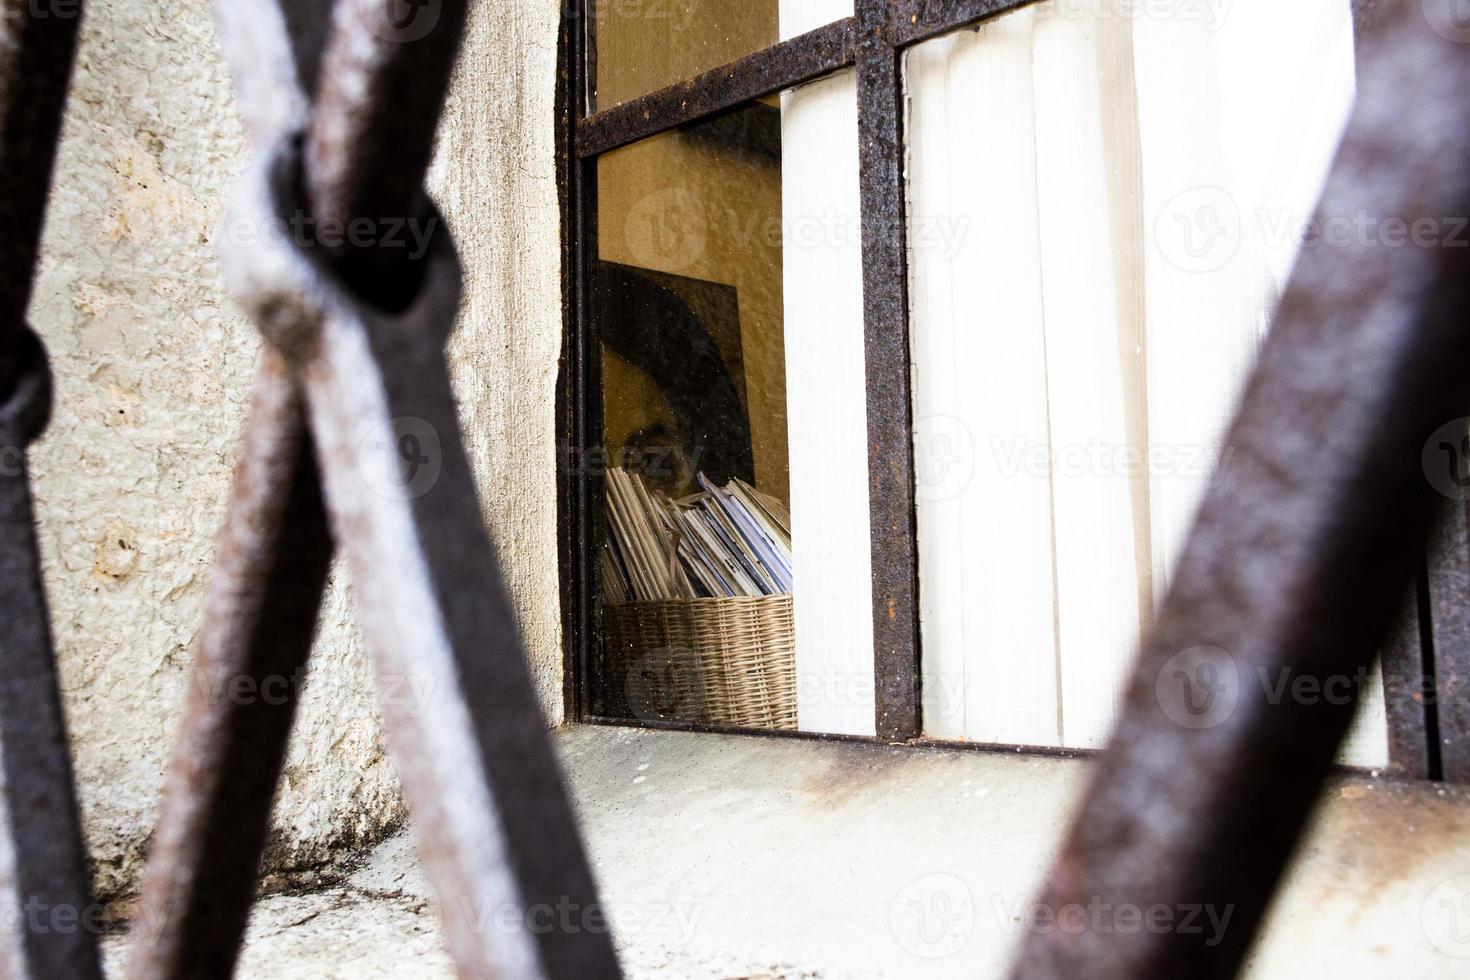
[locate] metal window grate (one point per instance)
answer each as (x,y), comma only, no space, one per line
(352,442)
(1297,561)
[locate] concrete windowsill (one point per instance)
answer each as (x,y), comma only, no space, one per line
(727,856)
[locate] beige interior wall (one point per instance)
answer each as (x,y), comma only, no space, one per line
(152,364)
(676,205)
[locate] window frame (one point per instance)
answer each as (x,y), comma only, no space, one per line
(1425,740)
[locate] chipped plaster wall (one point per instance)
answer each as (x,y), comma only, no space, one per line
(152,365)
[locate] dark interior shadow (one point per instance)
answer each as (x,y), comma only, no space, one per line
(647,319)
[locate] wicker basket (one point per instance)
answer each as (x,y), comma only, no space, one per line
(725,662)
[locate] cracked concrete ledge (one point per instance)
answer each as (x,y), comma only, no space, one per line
(740,857)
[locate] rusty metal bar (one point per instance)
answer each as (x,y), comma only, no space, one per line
(495,826)
(261,610)
(891,481)
(251,652)
(579,406)
(43,872)
(362,333)
(1449,604)
(778,67)
(49,924)
(36,53)
(1410,712)
(365,155)
(1294,573)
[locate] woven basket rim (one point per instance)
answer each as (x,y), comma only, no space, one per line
(703,600)
(731,659)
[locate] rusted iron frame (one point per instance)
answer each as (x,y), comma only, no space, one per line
(1297,565)
(495,826)
(1411,714)
(365,158)
(809,56)
(571,43)
(1444,599)
(801,59)
(35,70)
(1449,637)
(891,481)
(50,925)
(579,401)
(259,618)
(907,22)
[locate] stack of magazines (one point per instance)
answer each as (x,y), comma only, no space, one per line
(721,542)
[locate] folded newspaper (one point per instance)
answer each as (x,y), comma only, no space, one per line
(721,542)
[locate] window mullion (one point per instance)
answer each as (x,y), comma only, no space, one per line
(886,334)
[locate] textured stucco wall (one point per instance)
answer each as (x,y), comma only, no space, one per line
(495,178)
(152,365)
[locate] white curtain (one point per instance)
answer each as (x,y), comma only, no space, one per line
(1104,201)
(826,392)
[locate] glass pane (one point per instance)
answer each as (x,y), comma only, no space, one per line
(689,312)
(1091,278)
(702,499)
(639,46)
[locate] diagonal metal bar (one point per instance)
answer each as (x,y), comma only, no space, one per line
(264,598)
(365,155)
(49,925)
(251,652)
(496,828)
(1304,546)
(36,53)
(43,872)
